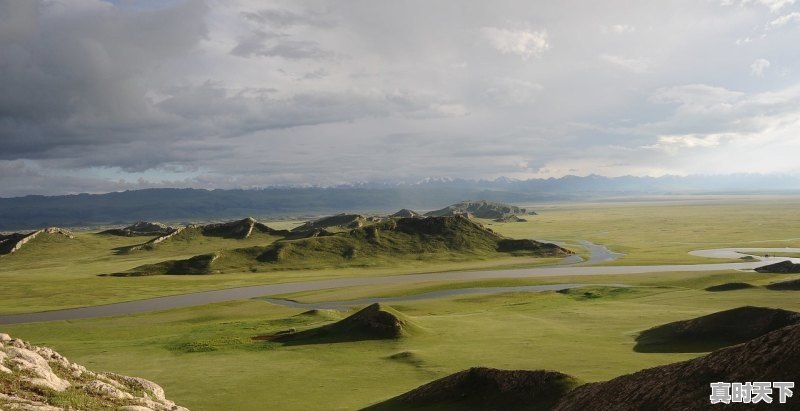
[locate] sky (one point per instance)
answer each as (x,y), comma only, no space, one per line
(99,96)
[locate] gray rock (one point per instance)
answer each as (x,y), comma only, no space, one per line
(114,391)
(34,363)
(107,390)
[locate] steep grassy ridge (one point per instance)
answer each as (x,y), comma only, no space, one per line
(454,238)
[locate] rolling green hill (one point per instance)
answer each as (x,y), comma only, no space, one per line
(481,209)
(341,221)
(239,230)
(11,243)
(454,238)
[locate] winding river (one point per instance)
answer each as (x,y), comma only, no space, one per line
(209,297)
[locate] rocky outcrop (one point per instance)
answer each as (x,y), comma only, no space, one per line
(28,372)
(12,243)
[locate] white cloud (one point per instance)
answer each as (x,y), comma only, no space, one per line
(716,130)
(634,65)
(697,98)
(773,5)
(776,5)
(672,144)
(622,29)
(781,21)
(523,43)
(759,66)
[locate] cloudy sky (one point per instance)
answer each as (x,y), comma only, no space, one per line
(99,96)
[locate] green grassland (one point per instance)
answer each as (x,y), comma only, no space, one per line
(65,273)
(663,233)
(787,255)
(205,357)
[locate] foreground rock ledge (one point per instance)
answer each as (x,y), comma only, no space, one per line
(38,378)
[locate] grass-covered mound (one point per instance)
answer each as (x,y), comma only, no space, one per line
(374,322)
(715,330)
(239,229)
(783,267)
(729,287)
(412,358)
(480,209)
(511,219)
(791,285)
(485,389)
(199,264)
(531,247)
(685,385)
(387,242)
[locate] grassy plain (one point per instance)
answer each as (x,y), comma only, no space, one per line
(658,232)
(204,357)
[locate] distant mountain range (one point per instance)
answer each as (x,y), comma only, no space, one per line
(180,205)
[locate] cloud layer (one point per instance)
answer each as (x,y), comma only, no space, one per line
(107,95)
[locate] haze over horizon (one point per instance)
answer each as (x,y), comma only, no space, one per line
(99,96)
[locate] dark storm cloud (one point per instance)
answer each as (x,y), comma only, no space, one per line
(80,78)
